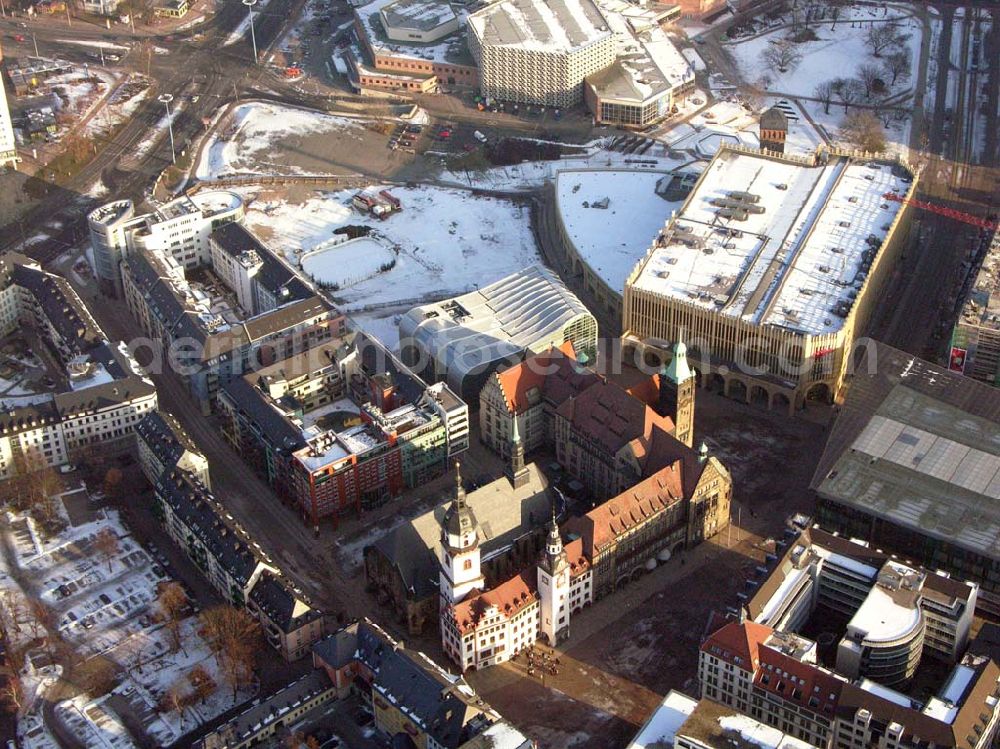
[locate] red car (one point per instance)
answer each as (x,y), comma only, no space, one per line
(18,37)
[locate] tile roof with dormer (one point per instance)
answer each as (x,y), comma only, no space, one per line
(553,376)
(602,526)
(737,643)
(509,598)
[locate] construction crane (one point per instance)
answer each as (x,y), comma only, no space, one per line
(966,218)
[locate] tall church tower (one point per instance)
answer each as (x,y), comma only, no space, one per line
(460,564)
(553,587)
(677,394)
(517,472)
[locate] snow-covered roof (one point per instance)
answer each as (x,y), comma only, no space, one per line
(449,49)
(662,725)
(884,617)
(527,310)
(540,25)
(775,241)
(647,65)
(423,15)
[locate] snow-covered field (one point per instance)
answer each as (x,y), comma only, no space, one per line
(445,241)
(121,105)
(254,129)
(634,210)
(347,263)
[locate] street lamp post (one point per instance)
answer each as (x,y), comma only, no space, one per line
(166,99)
(253,36)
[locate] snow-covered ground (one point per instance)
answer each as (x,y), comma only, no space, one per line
(121,105)
(837,53)
(347,263)
(634,210)
(244,27)
(445,242)
(254,129)
(102,605)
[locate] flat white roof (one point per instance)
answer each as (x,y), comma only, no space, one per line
(541,25)
(882,618)
(798,253)
(662,725)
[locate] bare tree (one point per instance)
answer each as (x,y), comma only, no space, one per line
(112,481)
(862,130)
(97,676)
(849,91)
(882,36)
(896,67)
(202,683)
(782,54)
(173,603)
(106,544)
(42,619)
(12,694)
(132,651)
(871,78)
(234,637)
(824,92)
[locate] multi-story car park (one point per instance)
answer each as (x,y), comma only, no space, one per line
(769,271)
(180,228)
(975,341)
(105,396)
(539,51)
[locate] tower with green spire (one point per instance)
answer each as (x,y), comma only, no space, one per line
(677,386)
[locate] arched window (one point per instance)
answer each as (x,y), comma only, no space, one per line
(467,565)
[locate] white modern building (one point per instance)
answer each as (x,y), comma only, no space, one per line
(463,340)
(539,51)
(181,228)
(8,150)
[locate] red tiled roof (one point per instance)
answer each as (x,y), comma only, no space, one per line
(602,525)
(738,640)
(606,413)
(578,562)
(555,373)
(509,597)
(802,684)
(647,390)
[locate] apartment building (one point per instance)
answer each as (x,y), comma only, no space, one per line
(194,330)
(343,427)
(164,445)
(773,677)
(104,394)
(975,340)
(180,228)
(290,624)
(414,700)
(234,564)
